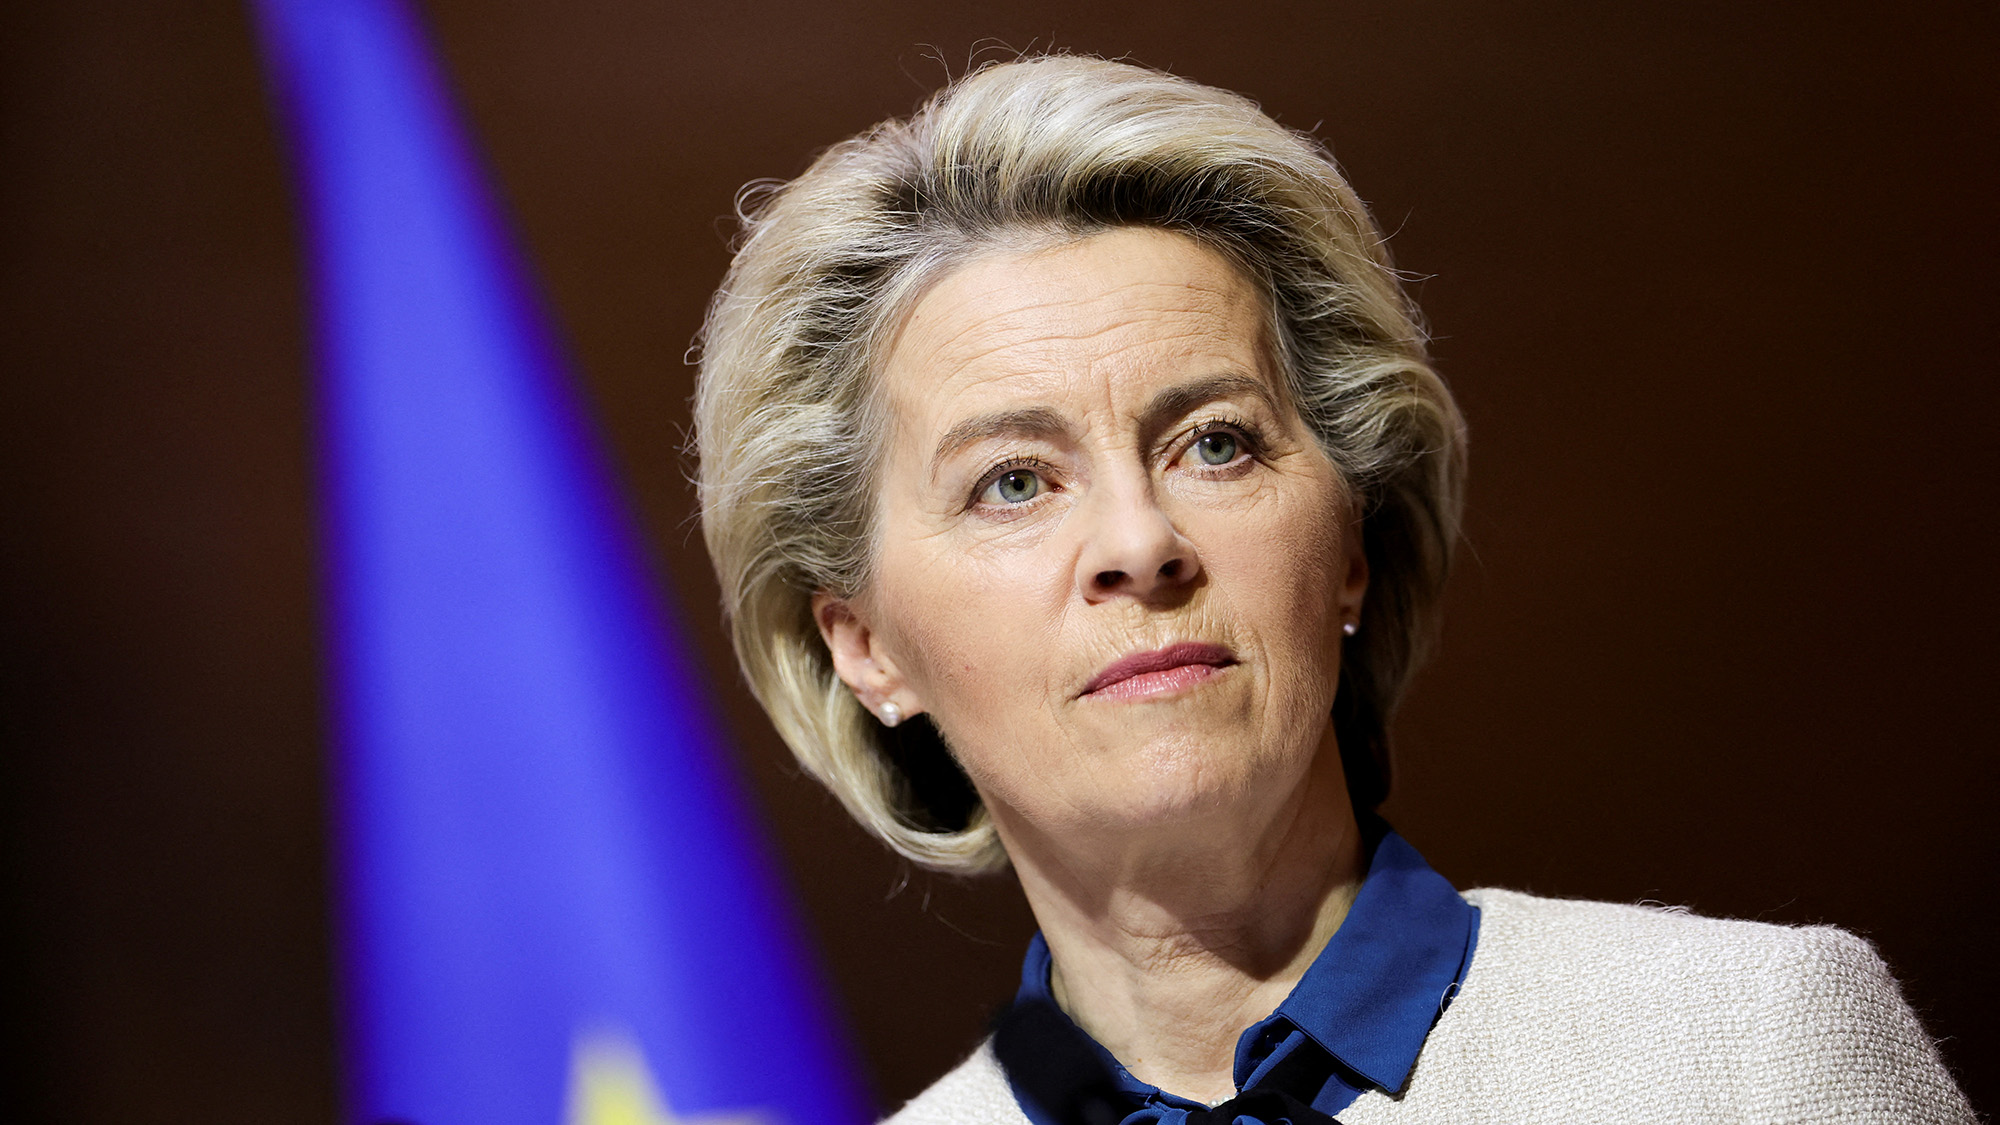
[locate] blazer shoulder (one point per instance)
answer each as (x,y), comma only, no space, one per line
(1620,933)
(975,1092)
(1834,1028)
(1794,1016)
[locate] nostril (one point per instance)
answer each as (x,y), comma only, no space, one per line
(1106,579)
(1170,569)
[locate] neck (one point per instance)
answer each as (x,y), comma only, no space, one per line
(1167,947)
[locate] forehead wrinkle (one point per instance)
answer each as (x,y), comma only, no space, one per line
(1190,328)
(1203,299)
(1033,332)
(1192,340)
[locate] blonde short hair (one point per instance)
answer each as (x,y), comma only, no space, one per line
(1024,153)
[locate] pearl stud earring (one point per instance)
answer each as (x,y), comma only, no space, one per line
(890,714)
(1350,628)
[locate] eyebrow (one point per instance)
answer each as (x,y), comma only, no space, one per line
(1030,421)
(1041,421)
(1176,401)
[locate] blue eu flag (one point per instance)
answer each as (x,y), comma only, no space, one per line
(554,904)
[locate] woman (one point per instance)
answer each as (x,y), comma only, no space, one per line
(1081,497)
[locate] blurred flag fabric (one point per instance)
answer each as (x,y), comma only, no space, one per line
(555,905)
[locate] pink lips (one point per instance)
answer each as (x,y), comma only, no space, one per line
(1161,671)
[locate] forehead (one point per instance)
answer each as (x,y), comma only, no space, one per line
(1108,318)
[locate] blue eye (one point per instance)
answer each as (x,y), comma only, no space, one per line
(1217,447)
(1015,486)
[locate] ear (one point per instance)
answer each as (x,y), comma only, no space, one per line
(1354,584)
(860,660)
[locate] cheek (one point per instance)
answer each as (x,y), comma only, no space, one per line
(1283,568)
(969,634)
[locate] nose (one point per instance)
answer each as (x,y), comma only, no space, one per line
(1133,548)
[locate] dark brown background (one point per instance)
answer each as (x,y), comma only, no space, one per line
(1713,281)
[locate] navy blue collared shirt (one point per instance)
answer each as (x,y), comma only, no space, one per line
(1358,1017)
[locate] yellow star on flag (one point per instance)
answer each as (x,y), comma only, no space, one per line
(610,1084)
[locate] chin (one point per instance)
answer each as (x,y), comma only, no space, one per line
(1172,783)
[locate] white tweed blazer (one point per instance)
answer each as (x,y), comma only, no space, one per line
(1574,1013)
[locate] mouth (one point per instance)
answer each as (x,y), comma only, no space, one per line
(1160,672)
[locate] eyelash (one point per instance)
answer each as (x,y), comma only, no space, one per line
(1012,464)
(1251,437)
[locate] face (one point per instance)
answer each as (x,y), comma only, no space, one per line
(1110,561)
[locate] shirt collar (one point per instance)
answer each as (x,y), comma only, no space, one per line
(1370,997)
